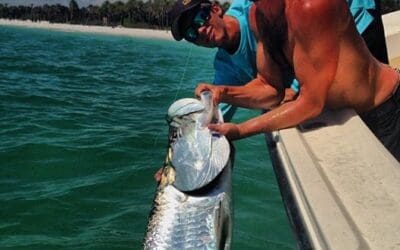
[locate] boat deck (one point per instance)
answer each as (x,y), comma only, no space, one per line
(339,184)
(395,62)
(391,23)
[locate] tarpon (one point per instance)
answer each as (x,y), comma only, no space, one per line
(192,204)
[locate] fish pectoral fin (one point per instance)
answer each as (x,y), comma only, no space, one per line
(167,176)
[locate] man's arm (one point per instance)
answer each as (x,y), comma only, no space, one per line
(288,114)
(257,94)
(315,59)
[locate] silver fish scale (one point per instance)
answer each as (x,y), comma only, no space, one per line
(181,221)
(187,221)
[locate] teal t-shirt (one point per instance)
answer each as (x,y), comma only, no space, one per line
(240,67)
(359,10)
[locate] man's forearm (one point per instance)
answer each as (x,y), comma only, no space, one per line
(286,115)
(255,94)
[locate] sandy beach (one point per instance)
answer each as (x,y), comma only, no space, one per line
(391,23)
(145,33)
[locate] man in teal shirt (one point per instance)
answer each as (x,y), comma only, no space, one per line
(235,60)
(203,23)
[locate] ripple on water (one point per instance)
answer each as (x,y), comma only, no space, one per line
(82,131)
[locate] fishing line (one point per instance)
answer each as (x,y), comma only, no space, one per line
(184,72)
(189,55)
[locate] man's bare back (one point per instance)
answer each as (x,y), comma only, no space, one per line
(317,40)
(330,58)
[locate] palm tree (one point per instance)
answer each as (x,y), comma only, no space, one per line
(132,9)
(74,11)
(118,12)
(105,12)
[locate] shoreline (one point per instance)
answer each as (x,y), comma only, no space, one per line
(122,31)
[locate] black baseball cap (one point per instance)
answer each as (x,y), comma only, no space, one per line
(179,13)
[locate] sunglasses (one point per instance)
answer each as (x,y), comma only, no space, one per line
(198,21)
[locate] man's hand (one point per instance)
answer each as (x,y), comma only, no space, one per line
(230,130)
(216,91)
(290,95)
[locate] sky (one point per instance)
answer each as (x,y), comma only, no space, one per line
(81,3)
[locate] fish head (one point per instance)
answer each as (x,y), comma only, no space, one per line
(199,155)
(184,107)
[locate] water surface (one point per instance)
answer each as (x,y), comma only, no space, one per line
(82,132)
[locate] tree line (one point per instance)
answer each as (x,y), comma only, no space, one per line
(132,13)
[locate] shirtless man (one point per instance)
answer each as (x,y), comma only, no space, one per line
(316,40)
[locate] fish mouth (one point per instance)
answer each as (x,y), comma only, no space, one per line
(189,111)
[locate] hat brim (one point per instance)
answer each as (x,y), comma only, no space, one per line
(175,28)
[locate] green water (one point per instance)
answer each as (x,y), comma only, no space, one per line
(82,132)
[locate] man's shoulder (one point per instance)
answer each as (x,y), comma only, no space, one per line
(239,8)
(307,12)
(314,6)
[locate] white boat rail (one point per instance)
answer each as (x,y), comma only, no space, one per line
(339,183)
(340,186)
